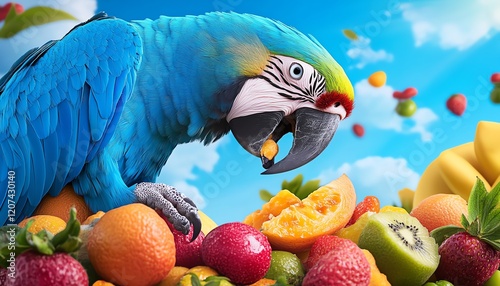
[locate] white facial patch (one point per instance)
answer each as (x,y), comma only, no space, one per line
(286,84)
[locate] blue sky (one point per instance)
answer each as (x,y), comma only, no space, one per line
(439,47)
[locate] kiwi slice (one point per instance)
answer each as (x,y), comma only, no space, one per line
(402,247)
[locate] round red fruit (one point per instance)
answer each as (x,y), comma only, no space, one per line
(340,266)
(237,251)
(187,252)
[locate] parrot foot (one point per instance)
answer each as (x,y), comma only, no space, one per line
(179,209)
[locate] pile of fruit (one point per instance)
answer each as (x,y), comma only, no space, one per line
(448,233)
(322,239)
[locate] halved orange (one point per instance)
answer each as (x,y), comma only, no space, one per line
(323,212)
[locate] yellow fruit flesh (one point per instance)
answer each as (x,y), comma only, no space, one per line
(377,278)
(174,276)
(324,211)
(269,149)
(273,208)
(353,231)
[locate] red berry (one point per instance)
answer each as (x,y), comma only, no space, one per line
(47,270)
(343,265)
(457,104)
(406,94)
(358,129)
(237,251)
(325,244)
(4,10)
(495,78)
(369,204)
(466,260)
(187,252)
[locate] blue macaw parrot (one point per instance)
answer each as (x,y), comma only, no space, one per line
(103,107)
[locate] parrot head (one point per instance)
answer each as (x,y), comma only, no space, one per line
(293,86)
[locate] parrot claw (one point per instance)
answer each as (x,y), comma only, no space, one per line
(180,210)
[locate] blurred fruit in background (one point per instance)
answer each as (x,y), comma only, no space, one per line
(358,130)
(457,103)
(495,92)
(377,79)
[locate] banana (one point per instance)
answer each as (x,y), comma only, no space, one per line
(487,148)
(430,183)
(458,173)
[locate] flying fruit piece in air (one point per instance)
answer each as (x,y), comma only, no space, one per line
(268,152)
(402,247)
(405,94)
(350,34)
(406,108)
(358,130)
(377,79)
(457,104)
(495,93)
(4,10)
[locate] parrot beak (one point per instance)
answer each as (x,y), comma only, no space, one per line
(312,131)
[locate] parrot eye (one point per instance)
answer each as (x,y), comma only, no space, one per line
(296,71)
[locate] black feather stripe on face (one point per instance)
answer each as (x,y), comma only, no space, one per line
(275,75)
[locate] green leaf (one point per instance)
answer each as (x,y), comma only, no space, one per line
(464,221)
(294,184)
(490,222)
(195,281)
(307,188)
(42,245)
(265,195)
(34,16)
(440,234)
(495,243)
(476,200)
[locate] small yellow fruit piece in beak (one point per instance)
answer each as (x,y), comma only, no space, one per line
(268,151)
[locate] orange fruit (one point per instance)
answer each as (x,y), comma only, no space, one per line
(50,223)
(91,218)
(61,204)
(102,283)
(377,79)
(131,245)
(377,278)
(323,212)
(440,210)
(282,200)
(264,282)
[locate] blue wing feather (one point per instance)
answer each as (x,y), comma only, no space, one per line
(59,107)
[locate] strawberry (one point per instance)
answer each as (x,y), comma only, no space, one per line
(495,78)
(470,254)
(465,256)
(187,252)
(323,245)
(4,10)
(358,129)
(341,266)
(369,204)
(237,251)
(457,104)
(44,259)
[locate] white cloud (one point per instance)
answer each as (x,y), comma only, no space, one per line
(181,164)
(382,177)
(376,107)
(454,24)
(11,49)
(361,51)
